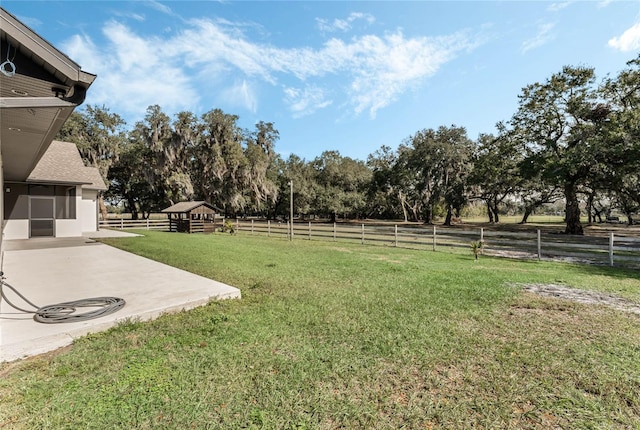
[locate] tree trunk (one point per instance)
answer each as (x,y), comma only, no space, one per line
(103,208)
(494,209)
(489,212)
(527,211)
(447,220)
(428,217)
(131,204)
(589,208)
(414,213)
(404,210)
(598,214)
(572,210)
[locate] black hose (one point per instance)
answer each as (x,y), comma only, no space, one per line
(65,312)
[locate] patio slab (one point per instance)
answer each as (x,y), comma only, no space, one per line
(59,270)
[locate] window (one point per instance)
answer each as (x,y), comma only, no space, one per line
(65,202)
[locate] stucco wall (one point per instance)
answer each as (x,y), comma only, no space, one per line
(19,228)
(68,228)
(16,229)
(87,211)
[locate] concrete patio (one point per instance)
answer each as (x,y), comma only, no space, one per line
(53,270)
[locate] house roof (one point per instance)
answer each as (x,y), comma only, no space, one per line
(62,164)
(39,89)
(96,182)
(184,207)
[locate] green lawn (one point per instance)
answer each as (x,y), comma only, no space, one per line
(346,336)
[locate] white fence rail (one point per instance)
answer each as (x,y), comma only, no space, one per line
(618,250)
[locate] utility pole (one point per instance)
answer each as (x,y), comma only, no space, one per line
(291,211)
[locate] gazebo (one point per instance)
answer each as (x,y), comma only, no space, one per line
(192,217)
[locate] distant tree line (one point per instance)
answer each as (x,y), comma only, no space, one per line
(571,139)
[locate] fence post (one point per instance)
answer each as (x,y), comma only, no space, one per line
(289,232)
(481,234)
(611,249)
(251,226)
(434,237)
(334,231)
(268,228)
(147,223)
(309,230)
(396,234)
(121,223)
(539,246)
(363,234)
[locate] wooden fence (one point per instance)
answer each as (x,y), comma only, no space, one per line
(197,226)
(611,250)
(618,250)
(143,224)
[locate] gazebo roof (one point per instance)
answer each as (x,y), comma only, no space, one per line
(186,207)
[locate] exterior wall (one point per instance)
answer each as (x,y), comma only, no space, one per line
(16,203)
(68,228)
(88,210)
(2,223)
(16,229)
(85,216)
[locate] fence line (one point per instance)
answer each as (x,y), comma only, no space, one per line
(144,224)
(612,250)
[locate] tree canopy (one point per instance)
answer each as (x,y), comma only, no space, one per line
(571,139)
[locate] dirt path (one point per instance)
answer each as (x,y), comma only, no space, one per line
(582,296)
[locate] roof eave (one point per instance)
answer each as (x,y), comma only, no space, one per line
(27,38)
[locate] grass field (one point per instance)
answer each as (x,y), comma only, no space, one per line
(344,336)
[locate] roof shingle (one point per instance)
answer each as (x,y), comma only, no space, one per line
(62,164)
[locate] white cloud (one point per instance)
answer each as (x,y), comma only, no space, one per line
(30,22)
(159,7)
(135,16)
(628,41)
(207,44)
(179,70)
(303,102)
(132,72)
(343,24)
(543,36)
(384,68)
(375,69)
(555,7)
(241,94)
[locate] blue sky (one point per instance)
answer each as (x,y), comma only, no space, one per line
(348,76)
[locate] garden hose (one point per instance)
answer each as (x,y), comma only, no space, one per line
(64,312)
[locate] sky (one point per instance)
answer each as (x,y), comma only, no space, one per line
(349,76)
